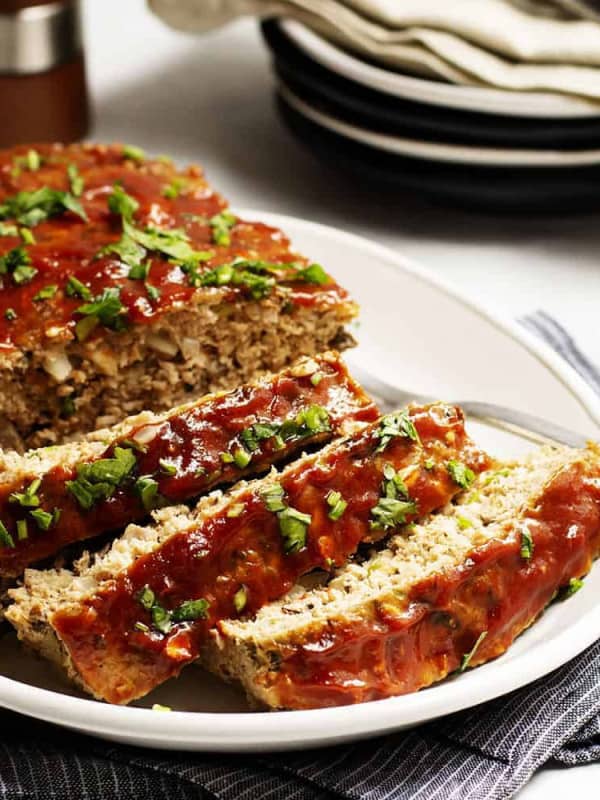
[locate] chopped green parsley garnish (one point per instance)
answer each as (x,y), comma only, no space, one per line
(153,292)
(161,618)
(8,230)
(394,505)
(31,208)
(527,545)
(106,309)
(29,498)
(463,523)
(226,458)
(221,225)
(573,586)
(31,161)
(293,526)
(121,203)
(429,464)
(84,327)
(171,243)
(18,264)
(462,475)
(241,458)
(314,419)
(141,626)
(44,519)
(240,598)
(99,480)
(466,659)
(273,498)
(146,598)
(75,288)
(252,436)
(314,273)
(190,610)
(252,276)
(316,378)
(167,468)
(46,293)
(139,272)
(10,314)
(395,425)
(133,153)
(22,532)
(172,190)
(6,540)
(127,250)
(75,180)
(337,505)
(27,236)
(147,490)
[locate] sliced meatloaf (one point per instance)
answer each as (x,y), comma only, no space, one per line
(59,495)
(128,285)
(136,616)
(451,592)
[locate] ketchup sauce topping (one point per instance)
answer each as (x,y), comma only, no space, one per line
(56,221)
(211,442)
(456,619)
(152,619)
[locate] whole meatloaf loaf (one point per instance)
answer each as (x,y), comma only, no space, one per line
(59,495)
(446,594)
(136,616)
(128,285)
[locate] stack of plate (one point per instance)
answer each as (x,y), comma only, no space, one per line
(475,146)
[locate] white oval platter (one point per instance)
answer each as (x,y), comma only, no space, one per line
(418,332)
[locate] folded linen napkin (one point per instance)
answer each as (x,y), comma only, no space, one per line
(470,42)
(485,753)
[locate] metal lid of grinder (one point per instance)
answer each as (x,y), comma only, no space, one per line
(43,94)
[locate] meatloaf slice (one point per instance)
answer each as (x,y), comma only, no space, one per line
(59,495)
(451,592)
(127,285)
(136,616)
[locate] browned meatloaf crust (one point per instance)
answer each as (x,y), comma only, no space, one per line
(140,297)
(56,496)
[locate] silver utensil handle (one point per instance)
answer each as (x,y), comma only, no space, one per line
(525,425)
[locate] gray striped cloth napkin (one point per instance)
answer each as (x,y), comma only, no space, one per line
(486,753)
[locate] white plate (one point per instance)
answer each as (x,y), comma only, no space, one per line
(436,151)
(416,331)
(467,98)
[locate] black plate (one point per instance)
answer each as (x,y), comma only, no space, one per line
(505,189)
(385,113)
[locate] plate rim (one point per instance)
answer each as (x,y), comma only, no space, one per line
(469,98)
(245,732)
(451,153)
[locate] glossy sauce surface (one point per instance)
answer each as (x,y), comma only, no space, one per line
(495,591)
(223,553)
(66,245)
(192,443)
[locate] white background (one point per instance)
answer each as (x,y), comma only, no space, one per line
(210,100)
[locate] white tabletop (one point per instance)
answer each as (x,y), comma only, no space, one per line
(210,100)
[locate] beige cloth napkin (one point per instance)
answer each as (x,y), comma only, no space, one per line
(520,45)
